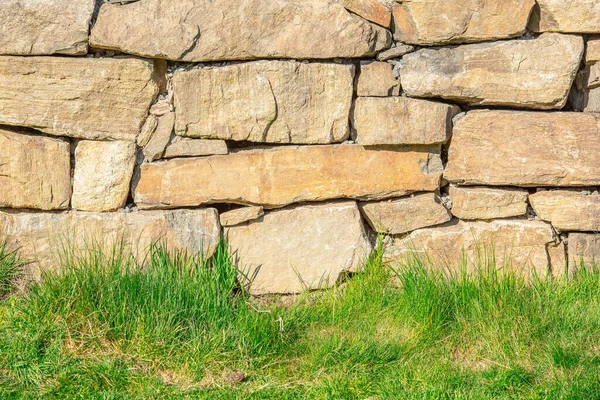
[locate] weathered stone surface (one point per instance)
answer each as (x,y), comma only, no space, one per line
(87,98)
(185,147)
(395,52)
(568,210)
(584,248)
(371,10)
(402,120)
(41,237)
(160,138)
(208,30)
(571,16)
(265,101)
(523,246)
(535,73)
(39,27)
(300,248)
(426,22)
(517,148)
(35,171)
(241,215)
(147,130)
(282,176)
(406,214)
(377,79)
(103,172)
(488,203)
(592,50)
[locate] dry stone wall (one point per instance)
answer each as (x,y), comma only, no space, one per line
(302,129)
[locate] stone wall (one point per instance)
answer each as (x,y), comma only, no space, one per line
(301,128)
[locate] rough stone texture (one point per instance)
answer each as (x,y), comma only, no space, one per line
(40,27)
(241,215)
(282,176)
(426,22)
(147,130)
(487,202)
(210,30)
(406,214)
(41,237)
(185,147)
(571,16)
(300,248)
(583,248)
(395,52)
(160,138)
(35,171)
(377,79)
(523,246)
(371,10)
(516,148)
(401,120)
(592,51)
(265,101)
(103,172)
(535,73)
(568,210)
(87,98)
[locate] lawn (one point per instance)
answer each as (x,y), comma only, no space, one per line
(181,327)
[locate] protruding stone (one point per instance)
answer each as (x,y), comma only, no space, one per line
(266,101)
(208,30)
(592,50)
(86,98)
(406,214)
(395,52)
(568,210)
(185,147)
(514,73)
(487,202)
(569,16)
(516,148)
(523,246)
(300,248)
(160,138)
(147,130)
(103,172)
(426,23)
(402,120)
(35,171)
(584,251)
(377,79)
(241,215)
(371,10)
(281,176)
(42,27)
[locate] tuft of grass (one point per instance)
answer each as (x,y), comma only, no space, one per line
(10,269)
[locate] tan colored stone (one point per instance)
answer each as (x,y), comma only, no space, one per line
(103,172)
(426,22)
(395,52)
(487,202)
(281,176)
(535,73)
(299,248)
(570,16)
(406,214)
(376,78)
(265,101)
(44,237)
(35,171)
(147,130)
(160,138)
(40,27)
(371,10)
(592,100)
(161,108)
(87,98)
(568,210)
(592,50)
(584,250)
(523,246)
(517,148)
(208,30)
(185,147)
(241,215)
(401,120)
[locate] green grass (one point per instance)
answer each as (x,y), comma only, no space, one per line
(109,329)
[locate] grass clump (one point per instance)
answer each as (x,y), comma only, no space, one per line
(10,268)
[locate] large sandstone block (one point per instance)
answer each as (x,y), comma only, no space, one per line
(87,98)
(39,27)
(43,238)
(35,171)
(568,210)
(213,30)
(488,203)
(426,23)
(277,177)
(406,214)
(300,248)
(516,148)
(523,246)
(402,120)
(536,73)
(584,250)
(265,101)
(103,172)
(574,16)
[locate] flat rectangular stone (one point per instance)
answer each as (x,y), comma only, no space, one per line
(35,171)
(516,148)
(568,210)
(569,16)
(265,101)
(584,251)
(185,147)
(241,215)
(487,202)
(377,78)
(87,98)
(281,176)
